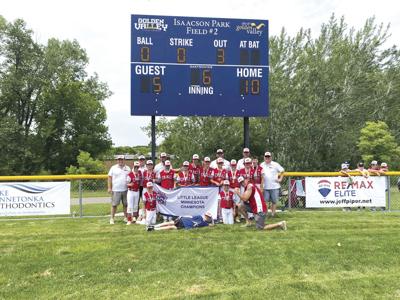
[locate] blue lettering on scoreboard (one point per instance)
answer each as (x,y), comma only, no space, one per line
(199,66)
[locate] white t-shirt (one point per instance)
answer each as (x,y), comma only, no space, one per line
(270,174)
(158,168)
(240,164)
(118,176)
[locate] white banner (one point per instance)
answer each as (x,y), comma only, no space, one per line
(346,192)
(187,201)
(34,198)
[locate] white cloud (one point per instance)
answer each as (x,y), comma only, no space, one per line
(103,29)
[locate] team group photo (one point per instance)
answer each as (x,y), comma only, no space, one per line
(199,149)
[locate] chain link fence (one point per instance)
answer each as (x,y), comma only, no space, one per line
(89,197)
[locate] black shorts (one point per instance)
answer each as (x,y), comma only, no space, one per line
(247,206)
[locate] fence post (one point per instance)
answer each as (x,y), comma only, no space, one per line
(80,199)
(388,190)
(289,194)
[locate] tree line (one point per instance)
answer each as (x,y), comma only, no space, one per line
(50,107)
(323,90)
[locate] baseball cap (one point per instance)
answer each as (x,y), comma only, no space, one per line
(226,182)
(220,160)
(136,164)
(247,160)
(142,157)
(149,162)
(384,165)
(195,156)
(207,159)
(185,163)
(220,151)
(240,179)
(149,184)
(374,162)
(246,150)
(208,214)
(267,154)
(167,163)
(344,166)
(120,156)
(163,154)
(233,162)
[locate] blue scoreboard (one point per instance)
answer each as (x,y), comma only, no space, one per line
(199,66)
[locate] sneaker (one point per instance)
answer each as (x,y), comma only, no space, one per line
(283,225)
(125,220)
(248,224)
(133,219)
(128,223)
(111,221)
(149,228)
(237,220)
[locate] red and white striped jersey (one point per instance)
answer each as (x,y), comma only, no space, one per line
(149,199)
(220,175)
(256,200)
(148,177)
(205,176)
(226,199)
(136,179)
(185,179)
(167,179)
(232,177)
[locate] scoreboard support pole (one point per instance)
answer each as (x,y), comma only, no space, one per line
(153,139)
(246,132)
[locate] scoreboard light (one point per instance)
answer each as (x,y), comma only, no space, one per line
(199,66)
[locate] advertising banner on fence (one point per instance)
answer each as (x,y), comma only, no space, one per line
(187,201)
(345,192)
(34,198)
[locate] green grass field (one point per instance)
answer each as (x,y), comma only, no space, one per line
(88,258)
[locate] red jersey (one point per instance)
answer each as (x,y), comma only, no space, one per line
(220,175)
(167,179)
(150,202)
(205,176)
(247,174)
(256,200)
(257,175)
(226,199)
(195,171)
(185,179)
(232,177)
(148,177)
(136,179)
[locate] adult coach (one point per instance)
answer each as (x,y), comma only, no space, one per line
(246,154)
(117,186)
(220,154)
(253,201)
(271,178)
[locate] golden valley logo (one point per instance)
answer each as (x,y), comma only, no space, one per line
(151,24)
(251,28)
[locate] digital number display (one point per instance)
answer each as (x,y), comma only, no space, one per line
(199,66)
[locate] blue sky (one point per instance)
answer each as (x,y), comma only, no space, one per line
(103,29)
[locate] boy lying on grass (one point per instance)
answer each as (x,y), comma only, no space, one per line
(185,223)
